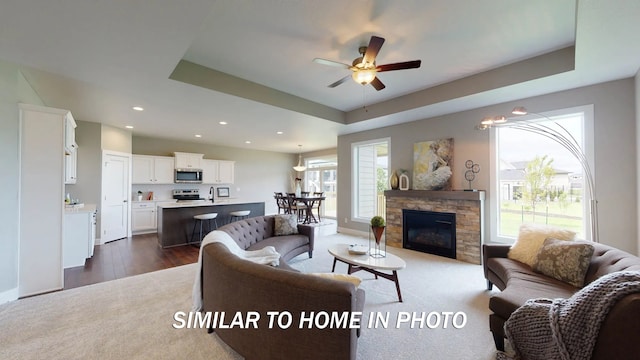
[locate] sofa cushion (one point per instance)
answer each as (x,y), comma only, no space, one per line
(283,244)
(564,260)
(521,290)
(285,225)
(530,240)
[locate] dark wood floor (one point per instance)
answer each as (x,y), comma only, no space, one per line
(126,257)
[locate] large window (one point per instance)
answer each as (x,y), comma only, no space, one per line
(322,176)
(537,179)
(370,173)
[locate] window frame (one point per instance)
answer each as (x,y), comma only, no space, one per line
(494,168)
(355,216)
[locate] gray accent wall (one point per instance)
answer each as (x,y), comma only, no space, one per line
(615,152)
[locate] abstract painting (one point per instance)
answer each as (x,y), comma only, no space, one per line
(432,164)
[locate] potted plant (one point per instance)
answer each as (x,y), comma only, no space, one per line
(139,195)
(377,227)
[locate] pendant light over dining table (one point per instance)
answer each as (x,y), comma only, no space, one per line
(300,167)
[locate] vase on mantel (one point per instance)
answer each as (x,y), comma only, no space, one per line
(394,181)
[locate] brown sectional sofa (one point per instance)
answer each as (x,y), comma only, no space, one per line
(232,284)
(619,334)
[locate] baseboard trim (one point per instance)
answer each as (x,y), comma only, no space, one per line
(353,232)
(9,295)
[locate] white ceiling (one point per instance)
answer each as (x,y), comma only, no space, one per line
(100,58)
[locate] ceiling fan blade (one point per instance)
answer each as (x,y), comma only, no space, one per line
(377,84)
(340,81)
(399,66)
(372,49)
(331,63)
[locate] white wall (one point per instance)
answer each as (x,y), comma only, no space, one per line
(615,152)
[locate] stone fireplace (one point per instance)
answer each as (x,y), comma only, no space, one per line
(467,206)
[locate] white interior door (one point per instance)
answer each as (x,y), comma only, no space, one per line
(115,196)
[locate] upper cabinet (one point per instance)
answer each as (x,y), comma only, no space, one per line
(217,171)
(71,167)
(188,160)
(152,169)
(69,134)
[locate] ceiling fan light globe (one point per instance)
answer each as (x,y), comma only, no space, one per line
(364,77)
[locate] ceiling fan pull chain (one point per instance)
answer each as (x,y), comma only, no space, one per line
(364,104)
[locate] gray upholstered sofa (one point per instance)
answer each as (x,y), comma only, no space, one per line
(257,232)
(619,334)
(231,284)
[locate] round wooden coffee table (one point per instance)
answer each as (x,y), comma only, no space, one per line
(369,264)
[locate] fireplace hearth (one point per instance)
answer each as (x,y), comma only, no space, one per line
(429,231)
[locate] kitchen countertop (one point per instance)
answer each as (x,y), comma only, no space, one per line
(195,203)
(87,208)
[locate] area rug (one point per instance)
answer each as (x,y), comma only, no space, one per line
(132,318)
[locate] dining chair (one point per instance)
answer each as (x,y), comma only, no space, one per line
(293,205)
(318,203)
(281,202)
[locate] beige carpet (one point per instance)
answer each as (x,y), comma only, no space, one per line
(131,318)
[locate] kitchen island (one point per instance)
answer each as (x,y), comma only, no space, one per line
(175,219)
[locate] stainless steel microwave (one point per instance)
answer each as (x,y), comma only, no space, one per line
(188,176)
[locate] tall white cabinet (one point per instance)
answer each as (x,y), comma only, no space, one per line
(43,144)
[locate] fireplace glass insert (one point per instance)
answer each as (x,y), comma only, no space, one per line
(430,232)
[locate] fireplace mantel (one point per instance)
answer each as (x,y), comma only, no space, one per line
(467,205)
(437,195)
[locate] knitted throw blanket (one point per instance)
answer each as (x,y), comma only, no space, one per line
(567,329)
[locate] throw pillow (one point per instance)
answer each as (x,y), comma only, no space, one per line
(530,240)
(285,225)
(564,260)
(340,277)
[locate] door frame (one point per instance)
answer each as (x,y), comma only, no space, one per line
(102,185)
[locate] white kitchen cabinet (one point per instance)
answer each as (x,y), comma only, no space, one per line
(152,169)
(188,160)
(71,167)
(226,171)
(69,133)
(143,217)
(79,236)
(41,198)
(217,171)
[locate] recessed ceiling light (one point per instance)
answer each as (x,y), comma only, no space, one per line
(129,127)
(198,135)
(138,108)
(279,132)
(247,142)
(222,123)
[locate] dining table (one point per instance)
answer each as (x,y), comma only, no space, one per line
(309,203)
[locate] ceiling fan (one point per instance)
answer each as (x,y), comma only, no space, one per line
(364,67)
